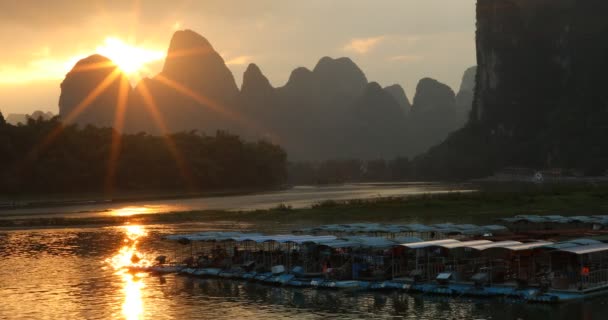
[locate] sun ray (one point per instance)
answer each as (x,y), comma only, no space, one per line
(129,58)
(93,66)
(152,108)
(205,101)
(119,121)
(91,96)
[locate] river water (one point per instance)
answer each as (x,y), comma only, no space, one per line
(75,274)
(297,197)
(65,274)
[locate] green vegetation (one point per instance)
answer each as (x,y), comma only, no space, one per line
(48,157)
(461,207)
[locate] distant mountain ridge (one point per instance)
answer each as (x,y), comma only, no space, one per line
(19,118)
(331,111)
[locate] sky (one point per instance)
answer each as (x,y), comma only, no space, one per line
(392,41)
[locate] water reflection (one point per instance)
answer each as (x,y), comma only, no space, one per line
(128,257)
(144,209)
(55,274)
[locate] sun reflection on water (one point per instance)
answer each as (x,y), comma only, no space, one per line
(125,263)
(145,209)
(130,211)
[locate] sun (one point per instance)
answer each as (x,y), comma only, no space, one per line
(129,58)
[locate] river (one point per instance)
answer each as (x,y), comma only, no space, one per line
(297,197)
(65,274)
(71,273)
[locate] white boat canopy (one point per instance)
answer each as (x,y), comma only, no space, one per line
(425,244)
(526,246)
(497,244)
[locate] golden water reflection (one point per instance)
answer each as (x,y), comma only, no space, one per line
(145,209)
(124,263)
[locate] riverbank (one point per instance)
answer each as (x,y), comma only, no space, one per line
(462,207)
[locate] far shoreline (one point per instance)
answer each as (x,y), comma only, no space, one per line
(462,207)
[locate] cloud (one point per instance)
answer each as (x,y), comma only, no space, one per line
(240,60)
(405,58)
(364,45)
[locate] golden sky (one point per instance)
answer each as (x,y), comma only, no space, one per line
(393,41)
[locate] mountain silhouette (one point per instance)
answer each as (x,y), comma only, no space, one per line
(464,98)
(540,98)
(90,92)
(397,92)
(194,91)
(20,118)
(379,125)
(331,111)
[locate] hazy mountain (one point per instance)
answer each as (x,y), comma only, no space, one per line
(192,62)
(328,112)
(90,92)
(195,89)
(464,98)
(540,97)
(315,108)
(397,92)
(258,104)
(433,116)
(379,125)
(433,95)
(17,118)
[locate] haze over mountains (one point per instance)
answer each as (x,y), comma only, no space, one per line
(331,111)
(20,118)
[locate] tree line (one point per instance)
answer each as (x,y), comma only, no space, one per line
(350,170)
(47,156)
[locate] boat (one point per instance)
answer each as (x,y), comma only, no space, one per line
(527,270)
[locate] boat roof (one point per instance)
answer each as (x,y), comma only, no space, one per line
(210,236)
(471,243)
(445,228)
(572,243)
(340,243)
(400,240)
(425,244)
(599,219)
(592,248)
(286,238)
(255,237)
(526,246)
(372,242)
(497,244)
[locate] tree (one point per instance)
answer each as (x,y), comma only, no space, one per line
(2,120)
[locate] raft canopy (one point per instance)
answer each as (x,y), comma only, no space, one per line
(572,243)
(497,244)
(527,245)
(586,249)
(286,238)
(358,228)
(372,242)
(210,236)
(255,237)
(464,244)
(425,244)
(596,219)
